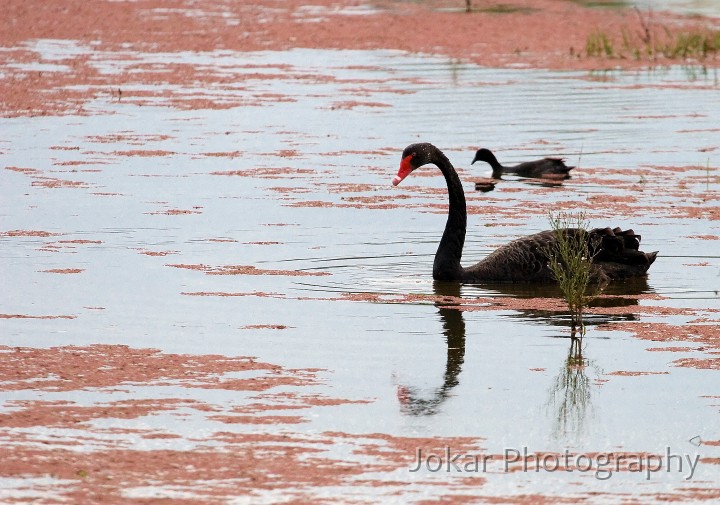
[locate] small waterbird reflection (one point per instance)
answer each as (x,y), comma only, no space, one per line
(454,330)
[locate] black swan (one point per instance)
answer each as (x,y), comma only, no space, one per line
(554,167)
(616,253)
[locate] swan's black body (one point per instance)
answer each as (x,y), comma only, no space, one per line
(554,167)
(616,252)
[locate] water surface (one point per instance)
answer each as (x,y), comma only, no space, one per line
(148,201)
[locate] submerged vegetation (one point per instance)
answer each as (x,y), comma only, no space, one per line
(571,264)
(653,42)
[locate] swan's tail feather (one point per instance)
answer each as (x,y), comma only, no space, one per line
(618,253)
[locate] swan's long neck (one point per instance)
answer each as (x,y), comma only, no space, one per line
(447,258)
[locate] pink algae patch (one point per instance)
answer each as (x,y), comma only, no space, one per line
(700,363)
(65,148)
(231,465)
(27,413)
(145,153)
(149,24)
(176,212)
(27,233)
(157,253)
(624,373)
(27,171)
(98,462)
(52,182)
(76,163)
(704,237)
(268,172)
(25,316)
(220,240)
(402,450)
(64,245)
(227,154)
(244,270)
(126,137)
(358,202)
(265,327)
(660,332)
(261,294)
(352,104)
(705,334)
(96,366)
(272,402)
(63,270)
(669,349)
(465,304)
(259,419)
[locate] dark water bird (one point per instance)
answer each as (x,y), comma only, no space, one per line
(546,167)
(616,253)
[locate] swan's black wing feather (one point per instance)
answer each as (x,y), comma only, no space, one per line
(615,255)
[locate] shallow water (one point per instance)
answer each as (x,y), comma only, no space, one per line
(149,201)
(691,7)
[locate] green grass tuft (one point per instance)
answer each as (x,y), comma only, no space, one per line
(653,41)
(599,44)
(571,263)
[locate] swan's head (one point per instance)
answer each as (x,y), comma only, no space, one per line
(483,155)
(414,156)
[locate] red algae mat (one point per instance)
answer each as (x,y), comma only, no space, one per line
(116,464)
(485,37)
(213,294)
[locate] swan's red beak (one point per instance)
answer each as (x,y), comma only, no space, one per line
(404,171)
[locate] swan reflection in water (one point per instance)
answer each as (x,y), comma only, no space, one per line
(570,394)
(411,402)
